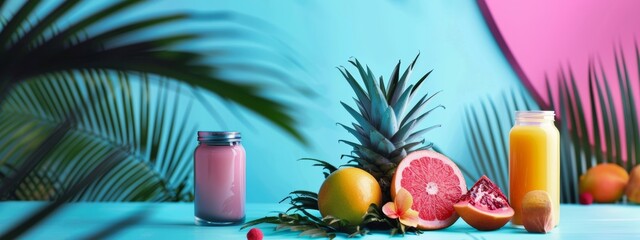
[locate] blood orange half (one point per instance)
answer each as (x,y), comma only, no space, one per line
(435,183)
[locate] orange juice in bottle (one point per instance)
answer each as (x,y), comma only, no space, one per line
(534,160)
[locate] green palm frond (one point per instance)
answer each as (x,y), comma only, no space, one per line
(487,131)
(606,145)
(118,113)
(627,95)
(578,151)
(36,46)
(104,166)
(73,126)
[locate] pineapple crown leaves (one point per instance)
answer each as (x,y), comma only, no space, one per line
(384,129)
(385,134)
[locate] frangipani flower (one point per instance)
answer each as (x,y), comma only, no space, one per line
(400,208)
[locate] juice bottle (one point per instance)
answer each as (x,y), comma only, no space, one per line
(534,160)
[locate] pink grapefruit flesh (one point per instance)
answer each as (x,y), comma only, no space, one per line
(435,183)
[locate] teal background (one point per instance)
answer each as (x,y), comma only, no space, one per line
(451,37)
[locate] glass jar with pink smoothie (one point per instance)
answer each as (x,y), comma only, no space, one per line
(219,168)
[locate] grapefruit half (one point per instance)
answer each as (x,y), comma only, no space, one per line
(435,183)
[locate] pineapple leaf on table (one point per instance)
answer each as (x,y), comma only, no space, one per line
(302,217)
(386,123)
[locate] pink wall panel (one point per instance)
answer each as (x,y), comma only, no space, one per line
(539,37)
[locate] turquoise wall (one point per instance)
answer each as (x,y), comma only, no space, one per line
(451,37)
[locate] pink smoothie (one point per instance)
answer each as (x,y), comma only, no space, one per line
(219,183)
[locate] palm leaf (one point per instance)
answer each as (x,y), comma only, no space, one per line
(568,129)
(585,153)
(614,118)
(594,117)
(628,110)
(38,48)
(48,73)
(90,178)
(31,160)
(158,150)
(34,159)
(578,152)
(487,134)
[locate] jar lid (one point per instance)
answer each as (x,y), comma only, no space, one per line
(535,115)
(219,137)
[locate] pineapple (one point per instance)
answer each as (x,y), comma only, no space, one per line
(385,121)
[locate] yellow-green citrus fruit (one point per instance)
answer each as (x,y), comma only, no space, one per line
(347,193)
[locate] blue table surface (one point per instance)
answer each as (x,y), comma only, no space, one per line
(175,221)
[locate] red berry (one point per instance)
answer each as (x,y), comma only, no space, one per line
(255,234)
(586,198)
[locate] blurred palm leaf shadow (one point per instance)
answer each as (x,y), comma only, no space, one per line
(36,47)
(118,113)
(50,71)
(487,129)
(89,109)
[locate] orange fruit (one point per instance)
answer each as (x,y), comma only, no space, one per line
(633,187)
(606,182)
(347,193)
